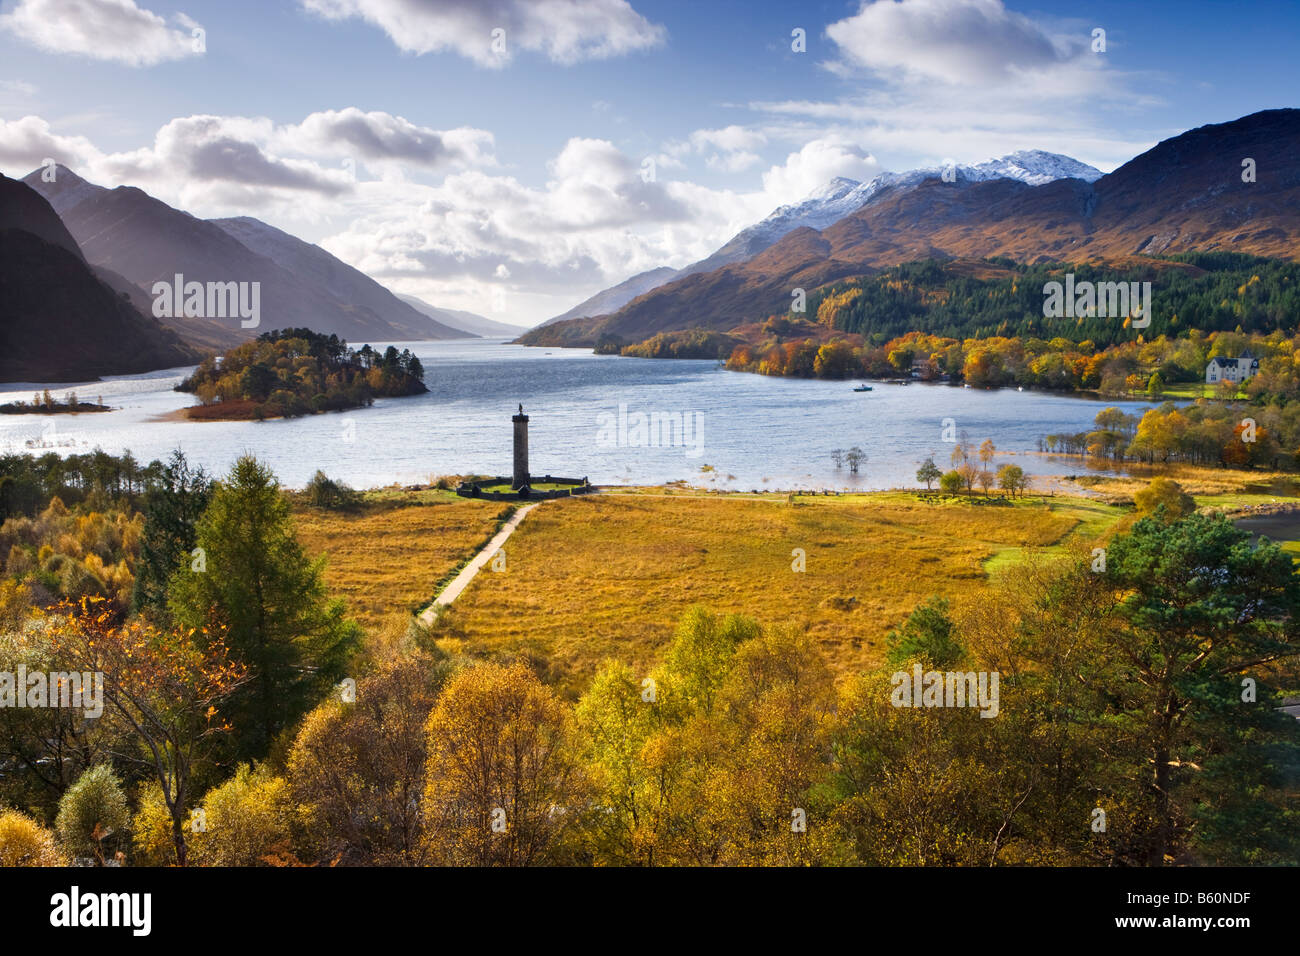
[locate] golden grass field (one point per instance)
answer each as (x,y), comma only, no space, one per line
(609,575)
(1244,487)
(386,559)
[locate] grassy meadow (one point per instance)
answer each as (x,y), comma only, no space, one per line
(1212,487)
(387,558)
(610,575)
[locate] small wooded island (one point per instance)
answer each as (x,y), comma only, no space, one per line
(46,404)
(291,372)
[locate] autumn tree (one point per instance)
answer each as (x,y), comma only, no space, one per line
(774,722)
(93,815)
(951,483)
(358,766)
(1011,478)
(24,842)
(1167,494)
(969,474)
(49,747)
(1058,751)
(906,786)
(163,687)
(710,758)
(834,360)
(624,739)
(250,820)
(502,782)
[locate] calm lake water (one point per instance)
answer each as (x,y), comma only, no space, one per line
(751,430)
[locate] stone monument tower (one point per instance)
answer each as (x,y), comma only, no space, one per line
(521,450)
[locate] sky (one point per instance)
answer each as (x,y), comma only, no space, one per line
(512,157)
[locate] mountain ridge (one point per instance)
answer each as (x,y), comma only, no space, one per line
(823,207)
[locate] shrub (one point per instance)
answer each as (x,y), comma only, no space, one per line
(324,492)
(24,842)
(249,821)
(1167,493)
(951,483)
(151,830)
(928,635)
(93,814)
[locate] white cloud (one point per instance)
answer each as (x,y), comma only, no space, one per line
(115,30)
(444,219)
(736,162)
(26,143)
(229,162)
(202,151)
(433,213)
(565,31)
(379,136)
(729,139)
(953,41)
(931,125)
(814,165)
(729,149)
(970,80)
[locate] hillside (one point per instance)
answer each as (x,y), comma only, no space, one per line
(617,296)
(1185,194)
(337,278)
(200,333)
(58,321)
(25,209)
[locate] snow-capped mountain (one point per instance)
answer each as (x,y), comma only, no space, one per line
(829,204)
(826,206)
(1033,167)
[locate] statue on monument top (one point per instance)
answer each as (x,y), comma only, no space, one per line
(521,408)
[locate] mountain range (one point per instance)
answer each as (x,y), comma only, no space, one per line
(144,240)
(1188,193)
(827,205)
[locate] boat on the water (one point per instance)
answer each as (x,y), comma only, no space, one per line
(862,388)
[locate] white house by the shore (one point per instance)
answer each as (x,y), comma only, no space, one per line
(1231,369)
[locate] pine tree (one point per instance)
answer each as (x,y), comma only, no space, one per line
(172,511)
(257,582)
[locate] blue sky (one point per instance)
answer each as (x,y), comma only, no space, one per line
(393,134)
